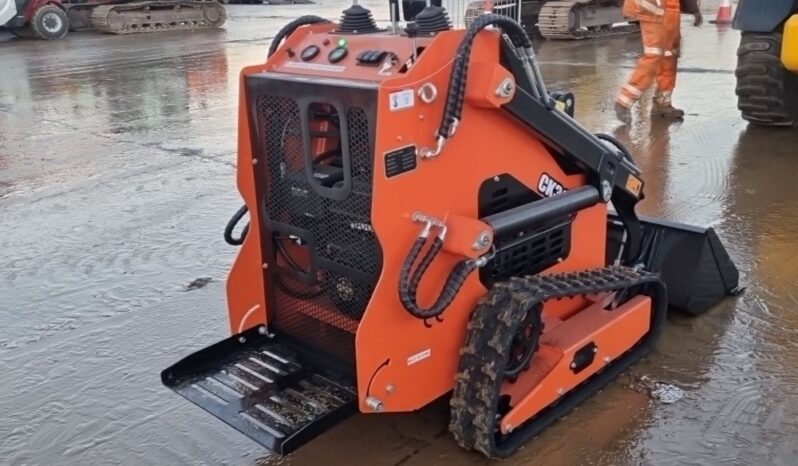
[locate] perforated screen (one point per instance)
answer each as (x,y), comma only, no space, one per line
(325,258)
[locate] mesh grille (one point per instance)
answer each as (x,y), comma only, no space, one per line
(533,254)
(323,310)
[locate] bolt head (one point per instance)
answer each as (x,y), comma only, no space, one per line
(242,340)
(573,365)
(483,240)
(254,161)
(390,389)
(262,330)
(606,190)
(561,391)
(506,88)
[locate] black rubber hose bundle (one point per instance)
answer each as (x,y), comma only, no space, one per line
(408,285)
(289,28)
(457,82)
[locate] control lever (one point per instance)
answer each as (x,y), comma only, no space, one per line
(412,31)
(394,6)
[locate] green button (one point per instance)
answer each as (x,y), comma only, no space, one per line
(342,42)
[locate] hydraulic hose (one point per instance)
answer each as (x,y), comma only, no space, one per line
(289,28)
(409,285)
(457,82)
(422,267)
(231,224)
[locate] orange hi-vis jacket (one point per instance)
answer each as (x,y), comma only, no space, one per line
(647,11)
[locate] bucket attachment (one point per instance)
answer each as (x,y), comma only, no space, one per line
(267,387)
(691,260)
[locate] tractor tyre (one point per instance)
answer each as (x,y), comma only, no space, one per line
(767,94)
(50,23)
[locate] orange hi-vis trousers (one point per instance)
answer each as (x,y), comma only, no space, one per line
(660,54)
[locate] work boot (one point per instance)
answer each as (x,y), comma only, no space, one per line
(623,113)
(665,109)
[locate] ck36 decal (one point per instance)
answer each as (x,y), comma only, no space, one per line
(548,186)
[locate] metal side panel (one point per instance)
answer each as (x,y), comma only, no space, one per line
(266,387)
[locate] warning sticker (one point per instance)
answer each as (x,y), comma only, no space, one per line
(315,66)
(402,99)
(634,185)
(419,357)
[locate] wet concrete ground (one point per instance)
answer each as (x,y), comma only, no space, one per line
(116,179)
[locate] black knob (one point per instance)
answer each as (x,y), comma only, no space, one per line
(310,52)
(337,54)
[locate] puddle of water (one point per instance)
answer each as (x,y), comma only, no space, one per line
(118,200)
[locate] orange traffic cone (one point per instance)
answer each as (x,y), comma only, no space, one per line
(724,15)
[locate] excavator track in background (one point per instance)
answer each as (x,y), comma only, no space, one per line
(583,19)
(156,16)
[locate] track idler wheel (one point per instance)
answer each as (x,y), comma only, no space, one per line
(524,343)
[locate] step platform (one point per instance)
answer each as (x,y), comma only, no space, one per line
(270,388)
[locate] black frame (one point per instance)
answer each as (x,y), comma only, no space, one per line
(577,147)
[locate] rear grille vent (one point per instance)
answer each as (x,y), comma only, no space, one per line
(326,253)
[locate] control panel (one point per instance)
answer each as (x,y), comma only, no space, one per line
(341,50)
(373,56)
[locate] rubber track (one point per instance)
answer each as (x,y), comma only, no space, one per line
(475,401)
(99,16)
(766,92)
(558,28)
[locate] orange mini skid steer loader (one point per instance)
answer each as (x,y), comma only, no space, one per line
(426,218)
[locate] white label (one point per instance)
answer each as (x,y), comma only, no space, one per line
(315,66)
(402,99)
(419,357)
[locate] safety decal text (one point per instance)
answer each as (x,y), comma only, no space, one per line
(315,66)
(420,356)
